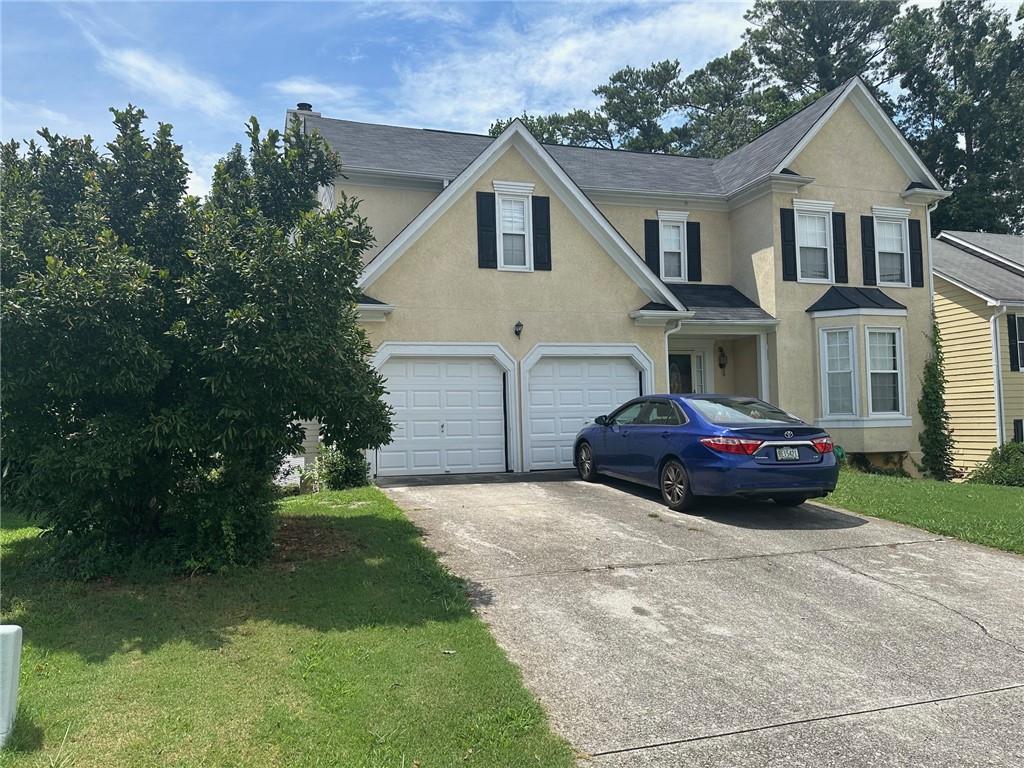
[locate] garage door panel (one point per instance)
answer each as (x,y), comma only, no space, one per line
(565,394)
(449,416)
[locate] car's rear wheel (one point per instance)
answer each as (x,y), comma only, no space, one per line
(585,462)
(789,500)
(675,486)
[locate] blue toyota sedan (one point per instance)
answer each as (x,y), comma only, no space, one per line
(709,445)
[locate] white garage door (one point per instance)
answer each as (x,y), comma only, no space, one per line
(567,392)
(449,416)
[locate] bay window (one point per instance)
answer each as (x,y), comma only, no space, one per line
(885,370)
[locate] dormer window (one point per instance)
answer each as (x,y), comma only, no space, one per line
(672,237)
(515,246)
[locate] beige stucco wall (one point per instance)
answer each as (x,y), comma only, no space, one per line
(970,386)
(1013,382)
(387,208)
(440,294)
(716,264)
(854,170)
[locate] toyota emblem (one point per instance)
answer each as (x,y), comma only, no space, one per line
(787,434)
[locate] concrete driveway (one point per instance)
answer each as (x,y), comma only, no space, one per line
(742,635)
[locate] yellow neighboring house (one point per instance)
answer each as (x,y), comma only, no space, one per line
(979,305)
(517,290)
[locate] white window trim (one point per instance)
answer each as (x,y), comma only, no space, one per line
(815,208)
(901,371)
(823,369)
(899,216)
(677,218)
(514,190)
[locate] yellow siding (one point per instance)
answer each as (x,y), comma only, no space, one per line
(970,390)
(1013,383)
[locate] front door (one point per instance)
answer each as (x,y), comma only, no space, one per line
(686,373)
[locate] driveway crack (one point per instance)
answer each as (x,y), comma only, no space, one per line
(803,721)
(878,579)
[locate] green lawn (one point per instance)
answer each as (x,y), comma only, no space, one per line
(353,648)
(985,514)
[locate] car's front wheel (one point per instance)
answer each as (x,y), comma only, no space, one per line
(675,486)
(585,462)
(790,500)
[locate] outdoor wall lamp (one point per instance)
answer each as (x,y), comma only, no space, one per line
(517,329)
(723,360)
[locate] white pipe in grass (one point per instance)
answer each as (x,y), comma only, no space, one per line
(10,665)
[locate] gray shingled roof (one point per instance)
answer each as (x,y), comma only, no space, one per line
(444,154)
(713,303)
(1009,247)
(759,157)
(988,277)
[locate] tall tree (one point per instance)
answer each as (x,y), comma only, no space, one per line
(813,46)
(961,70)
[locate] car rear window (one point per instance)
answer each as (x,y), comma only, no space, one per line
(731,411)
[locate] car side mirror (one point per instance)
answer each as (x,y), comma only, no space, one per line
(601,421)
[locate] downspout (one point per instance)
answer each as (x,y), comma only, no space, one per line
(668,383)
(931,274)
(997,368)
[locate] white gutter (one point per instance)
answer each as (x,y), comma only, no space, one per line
(997,368)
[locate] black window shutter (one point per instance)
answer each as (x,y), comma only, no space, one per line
(916,254)
(788,221)
(652,245)
(541,233)
(486,231)
(839,248)
(1011,327)
(867,248)
(693,251)
(1018,430)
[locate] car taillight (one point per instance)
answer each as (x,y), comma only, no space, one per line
(732,445)
(822,444)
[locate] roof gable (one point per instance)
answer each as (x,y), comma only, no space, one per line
(516,135)
(966,264)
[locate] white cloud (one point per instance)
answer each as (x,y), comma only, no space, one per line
(418,12)
(20,120)
(540,61)
(153,75)
(200,165)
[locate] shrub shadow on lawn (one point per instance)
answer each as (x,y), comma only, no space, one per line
(364,570)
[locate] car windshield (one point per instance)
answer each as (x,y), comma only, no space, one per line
(729,411)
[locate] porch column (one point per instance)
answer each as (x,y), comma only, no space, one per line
(762,366)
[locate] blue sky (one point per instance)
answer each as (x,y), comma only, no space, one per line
(205,67)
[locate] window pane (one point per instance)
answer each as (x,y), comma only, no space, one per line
(838,351)
(513,215)
(840,393)
(814,263)
(671,238)
(890,267)
(813,230)
(885,395)
(890,236)
(673,264)
(629,414)
(698,373)
(661,413)
(513,250)
(882,350)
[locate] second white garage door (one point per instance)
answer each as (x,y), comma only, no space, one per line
(564,393)
(449,416)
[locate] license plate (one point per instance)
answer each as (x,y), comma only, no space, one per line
(787,454)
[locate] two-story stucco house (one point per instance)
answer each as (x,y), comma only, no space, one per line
(518,290)
(979,306)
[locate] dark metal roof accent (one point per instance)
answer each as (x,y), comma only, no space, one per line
(843,297)
(990,278)
(713,303)
(364,299)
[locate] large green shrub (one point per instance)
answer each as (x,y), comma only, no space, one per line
(158,350)
(1004,466)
